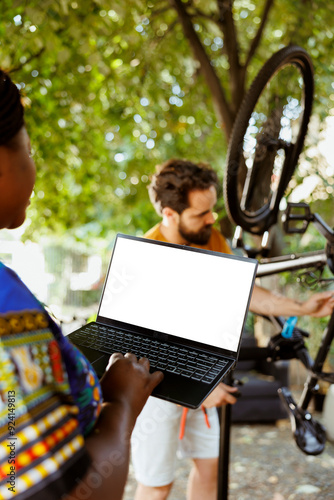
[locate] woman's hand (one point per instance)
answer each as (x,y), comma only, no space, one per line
(128,380)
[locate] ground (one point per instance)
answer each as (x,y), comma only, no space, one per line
(266,464)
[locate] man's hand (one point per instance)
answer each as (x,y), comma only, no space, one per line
(269,303)
(129,381)
(221,395)
(319,305)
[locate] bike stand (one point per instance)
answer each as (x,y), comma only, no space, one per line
(225,416)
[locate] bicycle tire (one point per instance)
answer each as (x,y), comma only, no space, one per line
(262,219)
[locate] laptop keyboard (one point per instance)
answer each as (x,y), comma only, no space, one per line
(162,356)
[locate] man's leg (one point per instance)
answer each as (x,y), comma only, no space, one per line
(203,479)
(154,446)
(201,444)
(152,493)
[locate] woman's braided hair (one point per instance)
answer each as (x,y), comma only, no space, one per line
(11,109)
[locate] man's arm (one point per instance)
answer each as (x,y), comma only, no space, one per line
(266,302)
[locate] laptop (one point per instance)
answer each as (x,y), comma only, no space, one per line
(181,307)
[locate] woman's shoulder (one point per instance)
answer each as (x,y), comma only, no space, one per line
(14,294)
(47,401)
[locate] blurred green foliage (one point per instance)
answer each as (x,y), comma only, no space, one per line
(112,89)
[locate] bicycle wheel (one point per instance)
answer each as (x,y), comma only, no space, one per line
(267,139)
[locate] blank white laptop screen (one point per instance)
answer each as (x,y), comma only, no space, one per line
(196,296)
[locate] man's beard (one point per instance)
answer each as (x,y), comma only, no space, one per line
(199,238)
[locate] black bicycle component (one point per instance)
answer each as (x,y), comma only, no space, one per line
(312,278)
(300,212)
(323,228)
(312,264)
(325,376)
(252,252)
(296,212)
(237,242)
(318,365)
(267,139)
(305,215)
(310,436)
(330,257)
(294,347)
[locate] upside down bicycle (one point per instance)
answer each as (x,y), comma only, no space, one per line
(265,145)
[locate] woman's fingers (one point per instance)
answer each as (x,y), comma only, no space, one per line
(131,357)
(145,362)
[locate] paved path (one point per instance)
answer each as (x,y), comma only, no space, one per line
(266,464)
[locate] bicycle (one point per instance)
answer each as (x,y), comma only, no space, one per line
(256,210)
(266,142)
(309,435)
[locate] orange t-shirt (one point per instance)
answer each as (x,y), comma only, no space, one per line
(216,243)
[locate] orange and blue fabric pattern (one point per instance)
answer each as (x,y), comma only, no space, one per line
(49,399)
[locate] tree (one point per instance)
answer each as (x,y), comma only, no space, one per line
(113,90)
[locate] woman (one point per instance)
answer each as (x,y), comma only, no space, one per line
(62,433)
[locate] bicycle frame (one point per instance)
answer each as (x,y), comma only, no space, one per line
(291,262)
(309,434)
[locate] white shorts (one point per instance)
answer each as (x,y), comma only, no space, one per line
(155,440)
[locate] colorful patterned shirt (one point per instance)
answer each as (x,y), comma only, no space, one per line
(50,399)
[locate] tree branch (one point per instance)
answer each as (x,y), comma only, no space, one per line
(158,12)
(257,38)
(237,73)
(31,58)
(212,17)
(221,105)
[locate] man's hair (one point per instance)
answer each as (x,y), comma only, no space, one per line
(11,109)
(174,180)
